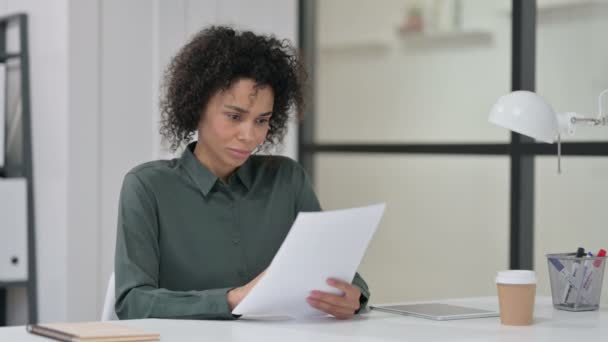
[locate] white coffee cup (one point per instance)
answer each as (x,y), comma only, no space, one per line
(516,293)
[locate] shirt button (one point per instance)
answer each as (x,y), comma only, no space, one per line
(236,241)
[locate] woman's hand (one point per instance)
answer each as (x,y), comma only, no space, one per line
(236,295)
(341,307)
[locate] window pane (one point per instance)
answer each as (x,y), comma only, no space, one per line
(570,211)
(445,215)
(571,59)
(374,83)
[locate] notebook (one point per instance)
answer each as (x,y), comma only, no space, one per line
(92,332)
(436,311)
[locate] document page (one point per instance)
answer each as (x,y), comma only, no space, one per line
(320,245)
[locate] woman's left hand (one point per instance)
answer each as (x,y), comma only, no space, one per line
(339,306)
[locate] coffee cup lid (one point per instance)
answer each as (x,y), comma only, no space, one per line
(516,277)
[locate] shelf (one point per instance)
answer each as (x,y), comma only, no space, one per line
(348,46)
(564,6)
(10,55)
(557,5)
(442,37)
(417,38)
(22,165)
(16,283)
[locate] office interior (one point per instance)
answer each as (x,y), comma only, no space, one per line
(401,91)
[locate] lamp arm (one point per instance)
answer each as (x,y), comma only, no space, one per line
(566,122)
(601,120)
(600,114)
(591,121)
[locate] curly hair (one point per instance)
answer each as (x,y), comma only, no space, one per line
(215,58)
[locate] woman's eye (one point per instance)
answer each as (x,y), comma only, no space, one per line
(262,121)
(232,116)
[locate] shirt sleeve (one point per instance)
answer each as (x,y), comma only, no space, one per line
(362,286)
(308,201)
(306,198)
(137,266)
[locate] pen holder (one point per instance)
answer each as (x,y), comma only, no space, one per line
(576,283)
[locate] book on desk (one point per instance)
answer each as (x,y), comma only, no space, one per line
(92,332)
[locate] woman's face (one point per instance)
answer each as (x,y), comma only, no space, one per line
(234,123)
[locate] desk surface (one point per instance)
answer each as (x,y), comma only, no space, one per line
(549,325)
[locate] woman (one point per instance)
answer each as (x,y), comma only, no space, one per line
(196,233)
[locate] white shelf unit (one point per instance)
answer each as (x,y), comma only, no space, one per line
(374,44)
(439,37)
(557,5)
(563,6)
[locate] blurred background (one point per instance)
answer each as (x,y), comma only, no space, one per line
(398,114)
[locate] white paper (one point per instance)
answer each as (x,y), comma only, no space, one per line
(320,245)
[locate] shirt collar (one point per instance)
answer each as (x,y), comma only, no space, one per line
(245,173)
(204,178)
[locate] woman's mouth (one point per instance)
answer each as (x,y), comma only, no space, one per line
(239,153)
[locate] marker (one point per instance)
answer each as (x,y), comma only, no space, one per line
(596,264)
(561,269)
(587,271)
(580,252)
(601,253)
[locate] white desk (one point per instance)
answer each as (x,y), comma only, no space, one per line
(550,325)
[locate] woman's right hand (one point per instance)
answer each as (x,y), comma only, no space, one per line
(236,295)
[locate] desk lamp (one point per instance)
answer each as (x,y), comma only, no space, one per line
(527,113)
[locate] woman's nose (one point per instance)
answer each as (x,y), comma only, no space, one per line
(246,132)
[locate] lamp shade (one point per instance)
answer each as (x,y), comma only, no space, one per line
(526,113)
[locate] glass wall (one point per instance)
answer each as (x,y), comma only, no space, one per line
(570,209)
(380,79)
(418,73)
(445,230)
(571,59)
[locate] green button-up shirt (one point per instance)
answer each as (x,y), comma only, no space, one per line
(185,238)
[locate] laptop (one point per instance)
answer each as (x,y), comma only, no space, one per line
(436,311)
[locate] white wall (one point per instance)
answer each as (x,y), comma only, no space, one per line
(127,119)
(95,72)
(82,277)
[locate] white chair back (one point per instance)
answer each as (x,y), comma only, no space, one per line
(108,313)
